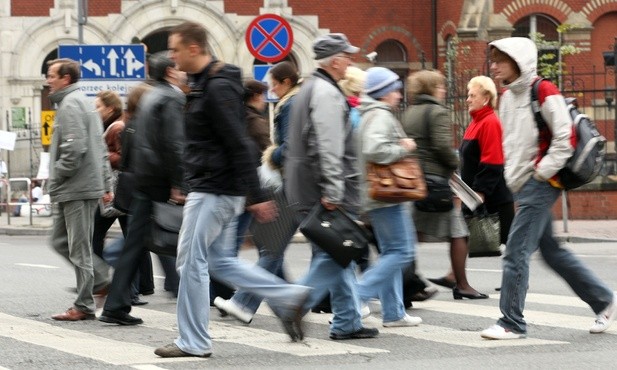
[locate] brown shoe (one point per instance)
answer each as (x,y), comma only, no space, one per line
(171,350)
(73,314)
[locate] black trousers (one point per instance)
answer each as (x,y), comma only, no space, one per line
(119,298)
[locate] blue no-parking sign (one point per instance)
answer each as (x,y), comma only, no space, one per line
(269,38)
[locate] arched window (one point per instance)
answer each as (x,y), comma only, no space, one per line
(391,51)
(545,25)
(537,23)
(393,55)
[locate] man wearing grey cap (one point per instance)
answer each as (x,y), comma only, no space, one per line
(321,166)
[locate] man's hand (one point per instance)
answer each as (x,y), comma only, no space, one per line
(108,197)
(176,196)
(264,212)
(327,205)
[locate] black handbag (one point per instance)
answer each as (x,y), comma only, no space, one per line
(336,233)
(275,236)
(123,194)
(439,198)
(166,223)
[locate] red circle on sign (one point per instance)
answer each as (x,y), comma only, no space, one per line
(269,37)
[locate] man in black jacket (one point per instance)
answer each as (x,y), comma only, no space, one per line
(156,161)
(220,172)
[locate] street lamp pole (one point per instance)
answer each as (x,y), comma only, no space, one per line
(615,75)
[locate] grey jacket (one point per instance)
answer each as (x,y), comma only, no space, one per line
(378,142)
(79,166)
(435,148)
(321,154)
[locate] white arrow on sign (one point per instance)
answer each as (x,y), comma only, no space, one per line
(92,67)
(132,64)
(113,57)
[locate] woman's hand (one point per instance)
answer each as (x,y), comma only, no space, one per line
(408,143)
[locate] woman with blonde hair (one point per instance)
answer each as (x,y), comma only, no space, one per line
(429,123)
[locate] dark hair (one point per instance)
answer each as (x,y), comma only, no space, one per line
(192,33)
(284,70)
(158,64)
(254,87)
(67,67)
(132,100)
(111,99)
(498,56)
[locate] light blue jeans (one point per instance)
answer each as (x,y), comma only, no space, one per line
(326,276)
(395,234)
(531,229)
(208,241)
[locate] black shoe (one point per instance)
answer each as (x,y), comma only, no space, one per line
(457,294)
(363,333)
(442,281)
(138,302)
(423,295)
(146,292)
(293,323)
(119,317)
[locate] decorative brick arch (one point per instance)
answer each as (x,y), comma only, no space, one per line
(447,29)
(594,10)
(41,39)
(143,19)
(400,34)
(519,9)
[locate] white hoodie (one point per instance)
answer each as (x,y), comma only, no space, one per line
(520,132)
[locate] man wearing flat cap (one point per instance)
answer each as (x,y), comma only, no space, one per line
(321,166)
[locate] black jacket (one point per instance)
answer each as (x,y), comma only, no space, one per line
(158,140)
(219,156)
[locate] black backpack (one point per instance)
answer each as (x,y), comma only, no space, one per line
(588,156)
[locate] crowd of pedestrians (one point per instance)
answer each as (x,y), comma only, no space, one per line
(197,135)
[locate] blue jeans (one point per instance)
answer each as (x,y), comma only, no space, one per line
(326,276)
(208,242)
(531,229)
(395,235)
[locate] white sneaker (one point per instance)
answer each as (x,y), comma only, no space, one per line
(233,309)
(499,332)
(407,320)
(374,305)
(365,311)
(605,318)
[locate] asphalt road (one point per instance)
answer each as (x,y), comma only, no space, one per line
(34,284)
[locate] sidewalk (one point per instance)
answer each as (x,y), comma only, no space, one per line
(578,231)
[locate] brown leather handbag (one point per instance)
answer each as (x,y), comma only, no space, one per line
(396,182)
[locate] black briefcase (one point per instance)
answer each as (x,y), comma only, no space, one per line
(336,233)
(166,223)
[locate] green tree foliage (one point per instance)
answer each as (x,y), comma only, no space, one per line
(551,54)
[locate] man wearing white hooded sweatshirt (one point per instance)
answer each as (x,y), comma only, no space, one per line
(533,159)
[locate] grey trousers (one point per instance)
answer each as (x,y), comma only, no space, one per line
(71,237)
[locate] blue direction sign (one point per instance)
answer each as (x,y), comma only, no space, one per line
(269,38)
(108,62)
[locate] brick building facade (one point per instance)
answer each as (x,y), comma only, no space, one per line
(450,35)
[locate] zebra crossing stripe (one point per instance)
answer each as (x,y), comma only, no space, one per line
(433,333)
(552,319)
(234,332)
(79,343)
